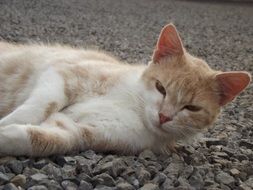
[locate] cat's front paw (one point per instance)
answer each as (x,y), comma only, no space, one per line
(172,148)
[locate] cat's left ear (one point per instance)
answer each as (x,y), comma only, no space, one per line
(168,44)
(231,84)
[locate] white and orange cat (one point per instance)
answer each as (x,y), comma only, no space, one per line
(56,99)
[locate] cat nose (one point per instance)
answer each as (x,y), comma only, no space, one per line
(163,118)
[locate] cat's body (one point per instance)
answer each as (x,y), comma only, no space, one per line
(56,99)
(88,87)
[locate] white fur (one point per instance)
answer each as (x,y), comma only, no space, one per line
(126,114)
(32,110)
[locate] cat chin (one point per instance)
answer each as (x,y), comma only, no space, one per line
(179,132)
(154,127)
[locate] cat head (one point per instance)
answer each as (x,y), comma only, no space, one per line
(185,94)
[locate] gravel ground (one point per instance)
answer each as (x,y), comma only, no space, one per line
(221,33)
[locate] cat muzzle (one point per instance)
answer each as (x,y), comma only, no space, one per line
(163,119)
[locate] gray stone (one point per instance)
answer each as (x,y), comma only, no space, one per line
(235,172)
(118,166)
(246,143)
(100,168)
(182,188)
(27,162)
(120,180)
(85,185)
(150,186)
(68,185)
(68,172)
(132,180)
(10,175)
(147,155)
(3,178)
(224,187)
(154,164)
(159,178)
(37,187)
(124,186)
(30,171)
(15,166)
(229,151)
(249,182)
(103,187)
(84,164)
(51,184)
(114,167)
(10,186)
(107,158)
(2,169)
(103,179)
(152,170)
(221,154)
(243,176)
(38,177)
(143,176)
(243,186)
(6,159)
(41,163)
(61,160)
(196,180)
(19,180)
(215,141)
(168,184)
(174,169)
(52,171)
(130,160)
(241,157)
(187,171)
(225,178)
(91,155)
(210,182)
(188,149)
(84,177)
(184,183)
(128,172)
(221,161)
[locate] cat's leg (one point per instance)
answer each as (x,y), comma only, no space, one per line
(46,98)
(58,135)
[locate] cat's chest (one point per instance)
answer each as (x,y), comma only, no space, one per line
(107,94)
(100,111)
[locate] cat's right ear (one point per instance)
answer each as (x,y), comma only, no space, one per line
(231,84)
(168,44)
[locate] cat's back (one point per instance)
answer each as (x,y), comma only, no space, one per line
(41,53)
(21,65)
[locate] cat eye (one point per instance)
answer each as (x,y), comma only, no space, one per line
(192,108)
(160,88)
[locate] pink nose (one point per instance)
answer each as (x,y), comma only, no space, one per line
(163,118)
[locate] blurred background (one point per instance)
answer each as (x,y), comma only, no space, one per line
(219,31)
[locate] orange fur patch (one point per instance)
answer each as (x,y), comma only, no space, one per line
(87,136)
(51,108)
(60,125)
(10,91)
(45,143)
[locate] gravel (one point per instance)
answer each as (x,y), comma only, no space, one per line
(219,32)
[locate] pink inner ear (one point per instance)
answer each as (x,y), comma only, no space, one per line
(231,84)
(169,44)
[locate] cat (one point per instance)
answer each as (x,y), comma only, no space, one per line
(59,99)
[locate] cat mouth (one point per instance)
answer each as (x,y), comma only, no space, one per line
(160,127)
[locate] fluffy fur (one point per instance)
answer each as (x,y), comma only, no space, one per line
(56,99)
